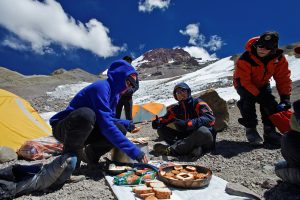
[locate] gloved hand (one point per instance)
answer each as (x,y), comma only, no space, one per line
(131,126)
(180,124)
(284,104)
(190,125)
(156,123)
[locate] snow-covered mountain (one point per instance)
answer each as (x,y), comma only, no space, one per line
(217,75)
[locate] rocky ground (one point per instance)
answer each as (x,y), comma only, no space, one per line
(233,160)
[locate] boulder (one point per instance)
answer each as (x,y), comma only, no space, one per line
(218,106)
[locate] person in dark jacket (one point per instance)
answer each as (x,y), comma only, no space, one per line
(289,169)
(193,122)
(262,61)
(126,96)
(88,128)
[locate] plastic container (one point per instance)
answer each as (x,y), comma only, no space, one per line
(120,156)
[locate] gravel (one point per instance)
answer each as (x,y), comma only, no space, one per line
(233,160)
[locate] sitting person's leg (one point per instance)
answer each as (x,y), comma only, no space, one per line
(287,173)
(167,134)
(202,137)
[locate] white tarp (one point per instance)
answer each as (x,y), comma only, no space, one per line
(215,191)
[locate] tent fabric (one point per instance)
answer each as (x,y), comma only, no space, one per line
(146,112)
(19,121)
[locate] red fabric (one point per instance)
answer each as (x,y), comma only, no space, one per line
(297,49)
(282,120)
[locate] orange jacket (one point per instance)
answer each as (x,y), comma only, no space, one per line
(252,74)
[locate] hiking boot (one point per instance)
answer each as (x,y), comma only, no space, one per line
(253,137)
(196,154)
(271,136)
(88,156)
(161,149)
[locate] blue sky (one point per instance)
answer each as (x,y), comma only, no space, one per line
(37,37)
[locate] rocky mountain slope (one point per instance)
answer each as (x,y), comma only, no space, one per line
(166,62)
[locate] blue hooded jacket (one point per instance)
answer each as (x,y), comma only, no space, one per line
(102,97)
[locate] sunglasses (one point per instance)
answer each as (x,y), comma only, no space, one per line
(264,47)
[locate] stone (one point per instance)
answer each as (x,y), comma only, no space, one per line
(239,190)
(7,154)
(218,106)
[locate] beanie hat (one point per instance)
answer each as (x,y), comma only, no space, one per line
(297,49)
(268,40)
(296,106)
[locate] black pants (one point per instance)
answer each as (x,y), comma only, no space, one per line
(247,102)
(184,142)
(127,103)
(79,129)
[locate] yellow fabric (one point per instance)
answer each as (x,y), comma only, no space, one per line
(19,122)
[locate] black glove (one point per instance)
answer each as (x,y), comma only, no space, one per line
(156,123)
(285,103)
(131,126)
(180,124)
(140,157)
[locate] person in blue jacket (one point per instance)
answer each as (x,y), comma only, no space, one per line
(88,127)
(126,96)
(192,130)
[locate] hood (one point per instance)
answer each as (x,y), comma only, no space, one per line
(183,86)
(117,74)
(251,46)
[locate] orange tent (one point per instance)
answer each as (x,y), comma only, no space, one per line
(146,112)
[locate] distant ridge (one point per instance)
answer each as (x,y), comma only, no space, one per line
(32,86)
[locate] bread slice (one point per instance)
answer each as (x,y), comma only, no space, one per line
(157,185)
(144,196)
(178,167)
(152,197)
(147,182)
(162,193)
(191,168)
(142,189)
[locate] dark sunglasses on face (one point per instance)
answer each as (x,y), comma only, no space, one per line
(264,47)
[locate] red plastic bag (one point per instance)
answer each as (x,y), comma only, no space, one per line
(40,148)
(282,120)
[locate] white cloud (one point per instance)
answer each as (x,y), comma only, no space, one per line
(199,40)
(149,5)
(14,44)
(44,23)
(199,52)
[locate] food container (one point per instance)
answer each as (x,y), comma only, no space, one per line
(119,156)
(198,183)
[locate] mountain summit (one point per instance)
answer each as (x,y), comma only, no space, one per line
(167,62)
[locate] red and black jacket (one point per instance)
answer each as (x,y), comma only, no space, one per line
(194,111)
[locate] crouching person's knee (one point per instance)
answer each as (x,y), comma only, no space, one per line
(84,116)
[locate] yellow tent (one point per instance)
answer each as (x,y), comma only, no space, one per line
(146,112)
(19,122)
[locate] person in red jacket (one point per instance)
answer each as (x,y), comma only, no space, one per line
(262,61)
